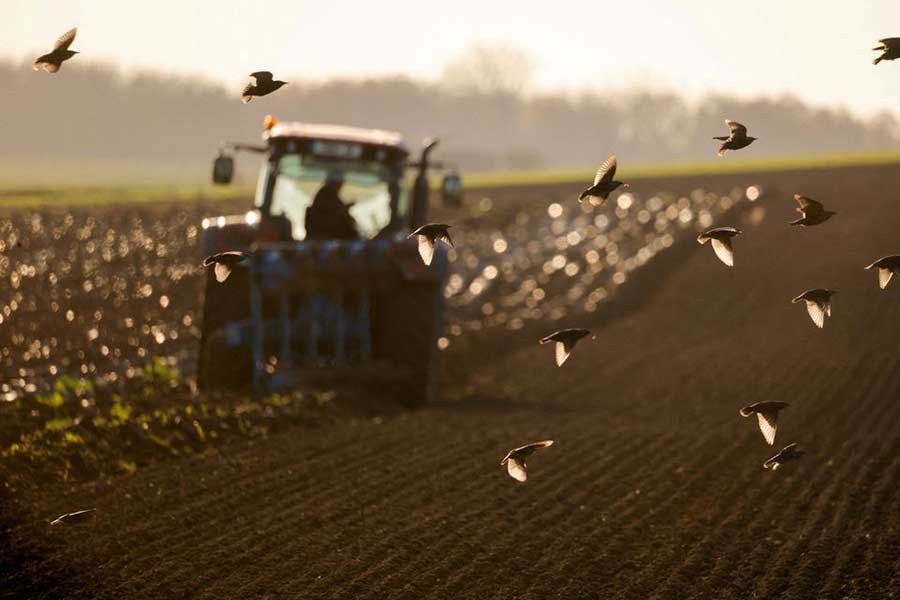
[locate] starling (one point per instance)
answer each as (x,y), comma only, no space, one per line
(226,261)
(887,267)
(721,242)
(813,212)
(737,140)
(604,184)
(79,516)
(818,304)
(787,454)
(890,49)
(428,235)
(515,460)
(565,341)
(264,85)
(52,61)
(767,415)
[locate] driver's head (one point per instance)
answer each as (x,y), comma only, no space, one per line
(335,179)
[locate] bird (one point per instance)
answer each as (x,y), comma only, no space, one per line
(887,266)
(721,242)
(51,61)
(818,304)
(264,85)
(428,235)
(890,49)
(79,516)
(787,454)
(224,262)
(515,459)
(604,183)
(737,140)
(813,212)
(767,415)
(565,341)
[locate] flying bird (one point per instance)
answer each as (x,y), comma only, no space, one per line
(604,183)
(737,140)
(787,454)
(51,61)
(813,212)
(767,415)
(818,304)
(79,516)
(565,341)
(721,242)
(890,49)
(887,267)
(428,235)
(224,262)
(264,85)
(515,460)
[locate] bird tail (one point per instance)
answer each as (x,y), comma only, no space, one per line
(721,138)
(546,340)
(877,60)
(722,151)
(797,222)
(246,99)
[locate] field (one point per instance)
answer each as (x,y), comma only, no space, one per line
(654,488)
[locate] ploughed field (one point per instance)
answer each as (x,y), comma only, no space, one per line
(655,486)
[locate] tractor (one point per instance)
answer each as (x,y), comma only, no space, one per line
(332,290)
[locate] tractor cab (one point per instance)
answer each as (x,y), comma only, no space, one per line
(327,182)
(333,287)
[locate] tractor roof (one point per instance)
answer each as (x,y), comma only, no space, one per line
(338,133)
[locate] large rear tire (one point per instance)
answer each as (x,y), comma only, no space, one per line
(408,322)
(222,364)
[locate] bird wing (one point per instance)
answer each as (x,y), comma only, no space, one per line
(816,313)
(807,206)
(768,424)
(426,249)
(222,271)
(261,77)
(77,516)
(884,276)
(607,170)
(735,127)
(445,237)
(723,250)
(535,446)
(65,40)
(516,469)
(890,42)
(563,350)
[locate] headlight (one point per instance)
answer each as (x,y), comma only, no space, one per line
(252,217)
(204,224)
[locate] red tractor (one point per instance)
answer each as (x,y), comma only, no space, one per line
(332,288)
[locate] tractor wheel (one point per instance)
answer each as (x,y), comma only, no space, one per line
(224,365)
(408,322)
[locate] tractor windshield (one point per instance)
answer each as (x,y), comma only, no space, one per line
(311,191)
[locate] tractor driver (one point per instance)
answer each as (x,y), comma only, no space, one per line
(328,218)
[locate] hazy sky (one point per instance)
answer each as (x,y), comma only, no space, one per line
(816,49)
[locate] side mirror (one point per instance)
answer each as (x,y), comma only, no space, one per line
(223,169)
(452,190)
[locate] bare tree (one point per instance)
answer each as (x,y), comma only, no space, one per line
(489,70)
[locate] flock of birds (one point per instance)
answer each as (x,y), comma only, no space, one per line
(818,301)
